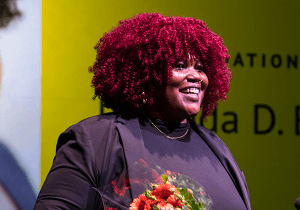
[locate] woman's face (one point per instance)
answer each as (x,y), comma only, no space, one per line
(183,95)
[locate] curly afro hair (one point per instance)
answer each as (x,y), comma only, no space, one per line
(138,55)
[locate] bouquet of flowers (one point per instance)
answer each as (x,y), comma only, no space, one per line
(168,191)
(167,197)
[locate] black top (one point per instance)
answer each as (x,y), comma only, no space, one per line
(190,156)
(98,150)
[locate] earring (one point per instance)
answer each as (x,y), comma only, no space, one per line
(144,99)
(201,80)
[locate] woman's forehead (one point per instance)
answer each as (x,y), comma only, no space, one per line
(189,57)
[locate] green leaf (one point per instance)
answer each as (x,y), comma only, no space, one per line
(152,197)
(194,205)
(155,208)
(147,193)
(164,178)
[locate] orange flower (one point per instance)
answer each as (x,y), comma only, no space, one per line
(163,192)
(141,203)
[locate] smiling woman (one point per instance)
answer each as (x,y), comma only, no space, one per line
(183,94)
(155,72)
(138,55)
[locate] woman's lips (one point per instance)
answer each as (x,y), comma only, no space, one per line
(191,93)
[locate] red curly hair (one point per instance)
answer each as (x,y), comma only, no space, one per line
(138,55)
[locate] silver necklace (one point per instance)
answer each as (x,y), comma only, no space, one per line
(167,136)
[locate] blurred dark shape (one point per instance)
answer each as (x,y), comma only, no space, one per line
(8,12)
(297,203)
(14,180)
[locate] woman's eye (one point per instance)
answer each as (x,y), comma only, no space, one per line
(199,67)
(180,66)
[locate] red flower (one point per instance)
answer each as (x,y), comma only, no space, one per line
(109,208)
(124,185)
(142,203)
(163,192)
(176,203)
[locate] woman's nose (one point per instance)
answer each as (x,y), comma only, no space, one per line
(193,75)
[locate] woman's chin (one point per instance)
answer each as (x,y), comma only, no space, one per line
(192,112)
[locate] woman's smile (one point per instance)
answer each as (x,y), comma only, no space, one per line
(184,92)
(191,93)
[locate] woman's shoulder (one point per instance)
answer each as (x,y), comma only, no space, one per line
(98,119)
(92,129)
(95,122)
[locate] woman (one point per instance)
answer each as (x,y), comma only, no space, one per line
(155,72)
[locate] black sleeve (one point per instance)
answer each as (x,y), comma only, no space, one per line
(73,175)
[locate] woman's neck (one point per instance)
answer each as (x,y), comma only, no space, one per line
(153,114)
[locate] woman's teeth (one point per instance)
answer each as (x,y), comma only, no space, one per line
(191,90)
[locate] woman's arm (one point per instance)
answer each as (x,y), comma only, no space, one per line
(72,175)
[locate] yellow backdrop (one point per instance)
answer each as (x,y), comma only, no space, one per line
(260,121)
